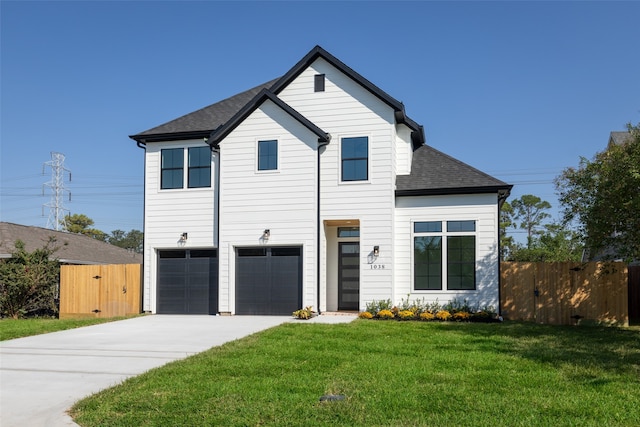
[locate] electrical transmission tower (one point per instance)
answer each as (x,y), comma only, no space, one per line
(58,190)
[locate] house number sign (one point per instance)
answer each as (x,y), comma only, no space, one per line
(377,266)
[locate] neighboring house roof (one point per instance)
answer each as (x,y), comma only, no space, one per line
(72,248)
(433,172)
(619,138)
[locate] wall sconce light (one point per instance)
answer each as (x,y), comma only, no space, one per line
(266,235)
(183,237)
(376,251)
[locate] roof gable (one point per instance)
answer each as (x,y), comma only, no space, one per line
(264,95)
(433,172)
(417,135)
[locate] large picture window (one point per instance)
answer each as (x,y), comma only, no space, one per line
(199,167)
(172,168)
(267,155)
(449,254)
(354,155)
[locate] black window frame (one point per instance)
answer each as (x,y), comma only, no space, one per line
(170,172)
(349,161)
(200,170)
(268,157)
(458,255)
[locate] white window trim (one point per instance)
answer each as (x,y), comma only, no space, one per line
(445,261)
(278,157)
(355,135)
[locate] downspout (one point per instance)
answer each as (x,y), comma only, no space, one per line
(318,224)
(143,145)
(501,199)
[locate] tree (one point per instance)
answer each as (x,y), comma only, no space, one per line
(80,224)
(556,243)
(132,240)
(530,211)
(29,281)
(506,221)
(603,196)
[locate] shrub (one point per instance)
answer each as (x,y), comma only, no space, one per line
(426,316)
(365,315)
(443,315)
(461,316)
(406,315)
(29,282)
(385,314)
(374,307)
(303,313)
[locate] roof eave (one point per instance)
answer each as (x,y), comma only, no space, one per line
(502,190)
(171,136)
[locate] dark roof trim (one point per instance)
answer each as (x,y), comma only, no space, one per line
(502,190)
(219,134)
(172,136)
(417,136)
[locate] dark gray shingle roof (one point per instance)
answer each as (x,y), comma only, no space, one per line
(619,138)
(203,121)
(433,172)
(73,248)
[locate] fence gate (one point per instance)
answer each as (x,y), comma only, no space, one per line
(565,293)
(100,290)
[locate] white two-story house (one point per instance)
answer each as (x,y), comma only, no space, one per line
(315,189)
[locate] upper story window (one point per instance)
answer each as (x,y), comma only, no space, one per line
(318,83)
(199,167)
(172,168)
(354,157)
(268,155)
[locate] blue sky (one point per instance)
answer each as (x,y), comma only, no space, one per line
(519,90)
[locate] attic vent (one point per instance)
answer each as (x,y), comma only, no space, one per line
(318,83)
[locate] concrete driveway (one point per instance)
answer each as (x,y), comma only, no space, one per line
(42,376)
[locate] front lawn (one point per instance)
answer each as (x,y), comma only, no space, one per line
(390,373)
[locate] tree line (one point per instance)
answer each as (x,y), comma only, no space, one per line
(600,202)
(82,224)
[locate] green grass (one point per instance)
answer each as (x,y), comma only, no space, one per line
(18,328)
(392,373)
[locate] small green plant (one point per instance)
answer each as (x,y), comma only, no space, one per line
(365,315)
(385,314)
(304,313)
(374,307)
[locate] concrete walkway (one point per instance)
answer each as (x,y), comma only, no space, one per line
(42,376)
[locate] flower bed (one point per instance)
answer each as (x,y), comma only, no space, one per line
(457,311)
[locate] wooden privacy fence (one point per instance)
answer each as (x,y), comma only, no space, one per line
(565,293)
(100,290)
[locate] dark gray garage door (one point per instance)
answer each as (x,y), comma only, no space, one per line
(268,280)
(187,282)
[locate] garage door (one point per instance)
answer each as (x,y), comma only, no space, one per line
(268,280)
(187,282)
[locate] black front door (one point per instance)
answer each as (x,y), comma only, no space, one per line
(349,276)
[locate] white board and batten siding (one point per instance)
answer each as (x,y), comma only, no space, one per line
(169,213)
(481,208)
(283,201)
